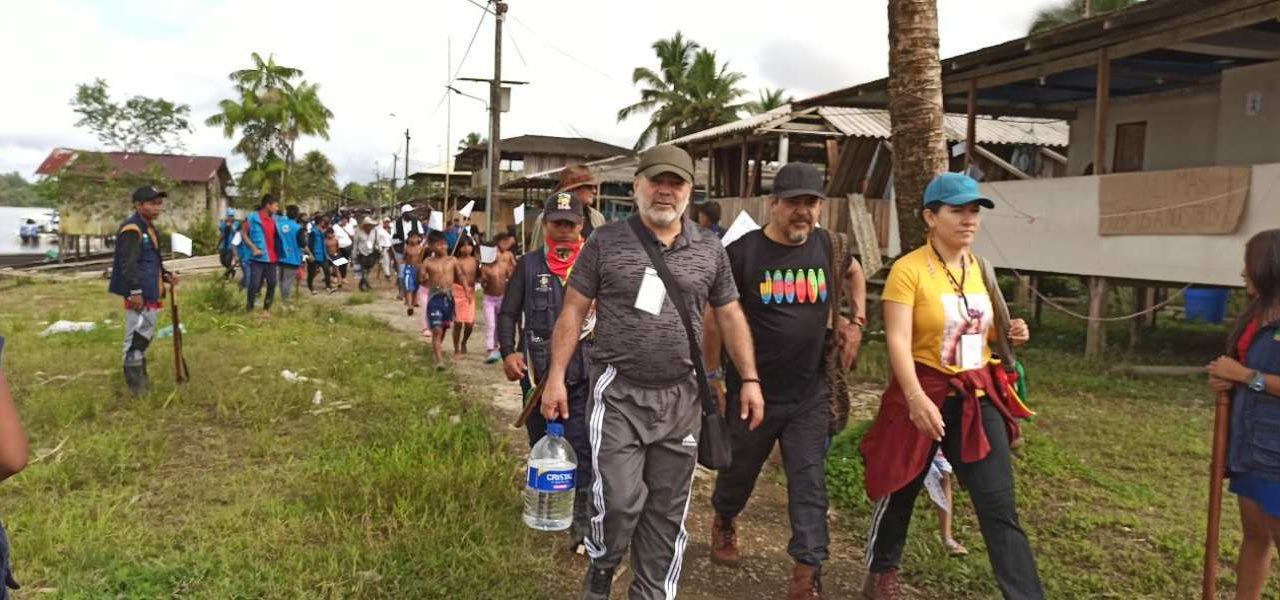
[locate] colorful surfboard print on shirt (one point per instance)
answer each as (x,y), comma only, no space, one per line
(813,286)
(822,284)
(779,287)
(790,280)
(766,289)
(802,288)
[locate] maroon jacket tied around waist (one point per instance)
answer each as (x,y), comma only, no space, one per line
(895,452)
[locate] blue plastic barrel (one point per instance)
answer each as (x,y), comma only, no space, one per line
(1208,305)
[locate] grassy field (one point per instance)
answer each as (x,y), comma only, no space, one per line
(230,487)
(1112,483)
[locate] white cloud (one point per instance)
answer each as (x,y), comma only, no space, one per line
(378,57)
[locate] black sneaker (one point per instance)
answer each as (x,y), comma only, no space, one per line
(599,581)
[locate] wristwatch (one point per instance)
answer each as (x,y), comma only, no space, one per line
(1258,382)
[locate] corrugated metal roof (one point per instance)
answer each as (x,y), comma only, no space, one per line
(178,168)
(865,122)
(739,126)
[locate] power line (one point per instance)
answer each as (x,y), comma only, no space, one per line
(598,71)
(454,76)
(483,7)
(512,37)
(469,44)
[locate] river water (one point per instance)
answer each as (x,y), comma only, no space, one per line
(11,218)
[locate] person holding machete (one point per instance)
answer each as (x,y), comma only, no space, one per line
(137,275)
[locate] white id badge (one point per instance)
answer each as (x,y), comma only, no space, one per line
(971,351)
(652,293)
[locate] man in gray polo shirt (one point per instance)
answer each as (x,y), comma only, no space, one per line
(644,414)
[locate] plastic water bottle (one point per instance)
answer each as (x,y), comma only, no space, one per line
(548,492)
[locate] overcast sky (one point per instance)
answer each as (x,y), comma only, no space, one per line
(375,58)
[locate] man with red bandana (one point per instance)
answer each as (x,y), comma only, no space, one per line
(536,292)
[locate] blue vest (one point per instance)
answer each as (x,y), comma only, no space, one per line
(259,239)
(543,297)
(226,232)
(1254,444)
(148,263)
(315,239)
(243,249)
(287,241)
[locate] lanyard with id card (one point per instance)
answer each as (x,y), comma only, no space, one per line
(652,292)
(972,345)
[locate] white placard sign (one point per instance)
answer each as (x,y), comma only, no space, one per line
(466,210)
(519,214)
(488,254)
(181,244)
(436,221)
(742,225)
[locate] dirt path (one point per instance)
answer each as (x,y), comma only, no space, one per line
(764,529)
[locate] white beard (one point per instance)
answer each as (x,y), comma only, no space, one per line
(660,217)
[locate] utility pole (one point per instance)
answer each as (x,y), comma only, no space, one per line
(406,159)
(1088,8)
(495,112)
(448,123)
(395,160)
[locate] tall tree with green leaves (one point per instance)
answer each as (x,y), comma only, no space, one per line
(1070,11)
(769,99)
(271,114)
(667,95)
(470,140)
(16,191)
(313,179)
(139,124)
(709,95)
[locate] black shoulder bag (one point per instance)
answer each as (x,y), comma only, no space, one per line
(714,447)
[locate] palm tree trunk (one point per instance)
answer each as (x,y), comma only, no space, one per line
(915,110)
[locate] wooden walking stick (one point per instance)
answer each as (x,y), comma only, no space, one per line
(180,373)
(1217,469)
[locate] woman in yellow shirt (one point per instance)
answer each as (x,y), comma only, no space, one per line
(938,319)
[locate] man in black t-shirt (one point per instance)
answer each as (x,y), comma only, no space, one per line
(788,289)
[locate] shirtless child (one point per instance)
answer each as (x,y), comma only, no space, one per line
(464,294)
(436,277)
(331,249)
(493,278)
(413,250)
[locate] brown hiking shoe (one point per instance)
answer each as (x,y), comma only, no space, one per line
(724,542)
(805,584)
(882,586)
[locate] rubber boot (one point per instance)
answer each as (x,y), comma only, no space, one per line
(136,378)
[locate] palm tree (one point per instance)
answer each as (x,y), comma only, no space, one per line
(768,100)
(472,139)
(264,75)
(674,57)
(710,95)
(689,92)
(1070,11)
(271,113)
(302,114)
(915,110)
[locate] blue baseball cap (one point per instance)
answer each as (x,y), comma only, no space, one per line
(956,189)
(231,212)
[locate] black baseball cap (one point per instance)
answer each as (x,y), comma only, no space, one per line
(148,193)
(562,206)
(797,179)
(665,159)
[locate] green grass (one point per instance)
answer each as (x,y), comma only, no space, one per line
(229,487)
(1112,482)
